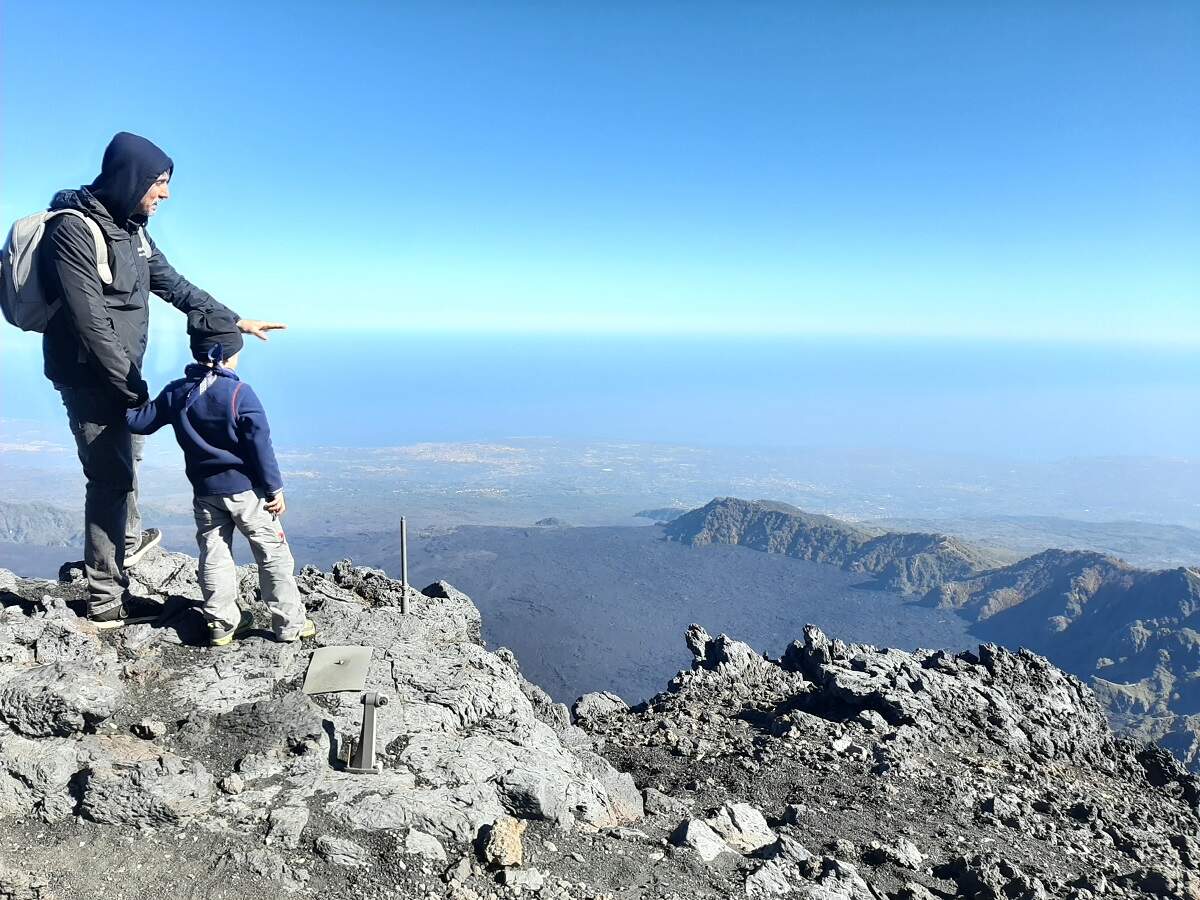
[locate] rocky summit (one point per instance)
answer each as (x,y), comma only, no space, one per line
(141,763)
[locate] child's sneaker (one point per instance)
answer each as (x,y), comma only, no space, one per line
(217,638)
(307,630)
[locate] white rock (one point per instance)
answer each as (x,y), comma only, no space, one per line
(697,835)
(342,852)
(418,843)
(742,827)
(771,878)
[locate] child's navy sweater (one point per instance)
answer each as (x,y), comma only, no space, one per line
(222,428)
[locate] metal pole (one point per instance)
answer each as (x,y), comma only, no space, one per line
(403,565)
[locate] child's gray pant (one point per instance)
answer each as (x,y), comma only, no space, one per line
(216,517)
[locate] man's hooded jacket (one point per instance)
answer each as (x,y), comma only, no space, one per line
(98,337)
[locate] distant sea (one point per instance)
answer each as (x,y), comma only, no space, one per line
(1023,400)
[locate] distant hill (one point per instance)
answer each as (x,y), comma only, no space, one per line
(40,524)
(1133,633)
(1149,545)
(910,563)
(661,513)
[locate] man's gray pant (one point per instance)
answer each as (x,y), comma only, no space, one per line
(112,523)
(216,517)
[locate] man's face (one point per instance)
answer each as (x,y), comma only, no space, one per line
(160,190)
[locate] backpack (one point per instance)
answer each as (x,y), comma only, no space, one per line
(21,298)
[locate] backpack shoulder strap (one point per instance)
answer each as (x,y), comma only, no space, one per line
(145,243)
(102,266)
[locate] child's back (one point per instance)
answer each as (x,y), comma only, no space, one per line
(222,428)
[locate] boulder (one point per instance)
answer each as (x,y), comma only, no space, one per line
(771,878)
(35,777)
(426,846)
(696,834)
(503,846)
(164,791)
(742,827)
(58,699)
(285,825)
(342,852)
(590,707)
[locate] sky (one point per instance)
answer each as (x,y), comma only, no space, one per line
(1017,171)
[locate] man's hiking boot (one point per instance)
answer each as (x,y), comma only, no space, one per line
(147,541)
(218,638)
(131,611)
(307,630)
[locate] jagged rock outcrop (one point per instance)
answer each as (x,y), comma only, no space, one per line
(910,563)
(148,727)
(880,773)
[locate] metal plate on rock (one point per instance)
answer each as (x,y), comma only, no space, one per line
(334,669)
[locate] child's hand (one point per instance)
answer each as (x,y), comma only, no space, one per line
(277,505)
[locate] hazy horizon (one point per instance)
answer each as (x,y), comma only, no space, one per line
(999,399)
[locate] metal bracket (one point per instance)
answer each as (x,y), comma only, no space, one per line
(363,762)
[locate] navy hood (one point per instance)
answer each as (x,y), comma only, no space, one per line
(131,164)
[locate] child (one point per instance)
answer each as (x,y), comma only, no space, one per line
(222,428)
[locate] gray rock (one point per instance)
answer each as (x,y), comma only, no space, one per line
(696,834)
(838,881)
(35,777)
(656,803)
(64,641)
(164,791)
(285,825)
(742,827)
(58,699)
(902,852)
(591,707)
(786,847)
(912,890)
(262,726)
(418,843)
(522,879)
(771,879)
(622,801)
(259,765)
(795,813)
(18,885)
(342,852)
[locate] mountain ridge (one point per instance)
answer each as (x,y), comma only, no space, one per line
(1132,633)
(906,562)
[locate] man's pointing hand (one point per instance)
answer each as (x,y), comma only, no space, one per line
(257,328)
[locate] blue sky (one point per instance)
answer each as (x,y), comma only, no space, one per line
(1019,170)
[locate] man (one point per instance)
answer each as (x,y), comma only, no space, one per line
(94,346)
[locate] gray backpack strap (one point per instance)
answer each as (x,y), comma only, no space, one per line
(102,266)
(146,251)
